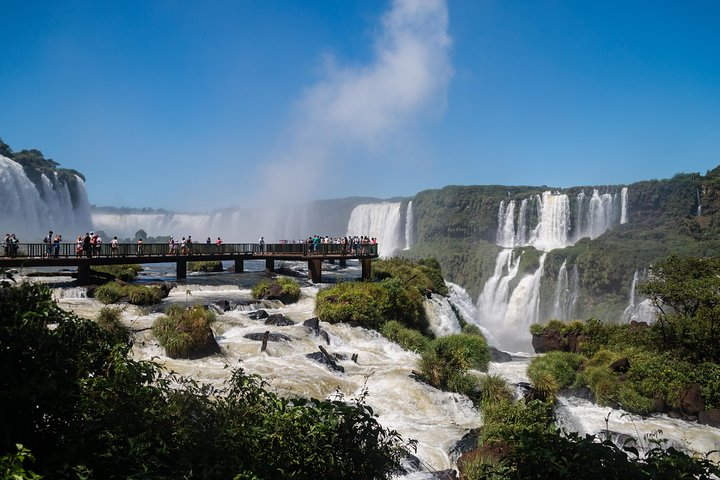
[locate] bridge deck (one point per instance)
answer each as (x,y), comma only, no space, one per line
(39,255)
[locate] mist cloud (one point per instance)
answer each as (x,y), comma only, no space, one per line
(356,108)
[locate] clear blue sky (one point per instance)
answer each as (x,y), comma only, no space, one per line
(194,105)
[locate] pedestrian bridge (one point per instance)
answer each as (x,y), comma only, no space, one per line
(35,255)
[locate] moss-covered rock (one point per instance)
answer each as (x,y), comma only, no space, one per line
(186,333)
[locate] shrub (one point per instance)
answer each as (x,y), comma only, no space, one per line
(125,273)
(494,389)
(184,332)
(407,338)
(283,288)
(562,366)
(136,294)
(425,275)
(109,320)
(445,363)
(510,421)
(206,266)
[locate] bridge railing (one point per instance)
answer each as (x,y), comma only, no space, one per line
(69,250)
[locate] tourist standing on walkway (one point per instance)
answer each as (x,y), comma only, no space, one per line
(140,247)
(48,244)
(87,245)
(262,244)
(79,246)
(6,244)
(97,244)
(56,245)
(114,247)
(14,245)
(189,244)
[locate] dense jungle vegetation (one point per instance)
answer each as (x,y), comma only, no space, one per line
(73,404)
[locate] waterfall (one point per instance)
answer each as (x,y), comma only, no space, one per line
(600,214)
(644,311)
(506,224)
(523,309)
(29,210)
(623,205)
(699,205)
(509,315)
(574,293)
(522,223)
(409,226)
(561,293)
(554,225)
(379,220)
(493,301)
(580,224)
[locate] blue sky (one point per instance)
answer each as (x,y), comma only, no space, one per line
(190,105)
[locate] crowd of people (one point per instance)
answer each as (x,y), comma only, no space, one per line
(350,245)
(11,245)
(90,245)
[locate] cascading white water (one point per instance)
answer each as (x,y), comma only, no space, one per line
(434,418)
(409,226)
(379,220)
(600,214)
(644,311)
(493,301)
(506,224)
(522,233)
(523,310)
(623,205)
(459,297)
(561,293)
(554,225)
(441,316)
(699,205)
(29,211)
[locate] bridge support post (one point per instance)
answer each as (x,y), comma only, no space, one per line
(331,261)
(343,262)
(366,270)
(83,274)
(269,265)
(181,272)
(239,266)
(315,270)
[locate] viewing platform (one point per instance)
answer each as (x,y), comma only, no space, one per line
(35,255)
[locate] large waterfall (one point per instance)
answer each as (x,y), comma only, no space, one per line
(29,210)
(409,226)
(383,221)
(508,305)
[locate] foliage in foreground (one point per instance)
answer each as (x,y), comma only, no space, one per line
(74,398)
(425,274)
(536,449)
(445,364)
(136,294)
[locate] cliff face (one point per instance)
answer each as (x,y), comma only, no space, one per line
(38,196)
(597,257)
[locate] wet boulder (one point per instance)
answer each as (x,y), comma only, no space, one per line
(278,320)
(258,315)
(273,337)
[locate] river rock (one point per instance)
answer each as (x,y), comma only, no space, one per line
(313,324)
(468,442)
(710,417)
(548,341)
(273,337)
(326,360)
(499,356)
(278,320)
(258,315)
(621,365)
(691,402)
(448,474)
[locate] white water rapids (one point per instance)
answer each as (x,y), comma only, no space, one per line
(435,419)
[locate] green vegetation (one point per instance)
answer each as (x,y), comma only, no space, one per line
(425,275)
(407,338)
(527,445)
(284,289)
(125,273)
(371,304)
(207,266)
(109,320)
(185,332)
(445,364)
(74,399)
(135,294)
(662,360)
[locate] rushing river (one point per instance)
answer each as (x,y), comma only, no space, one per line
(435,419)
